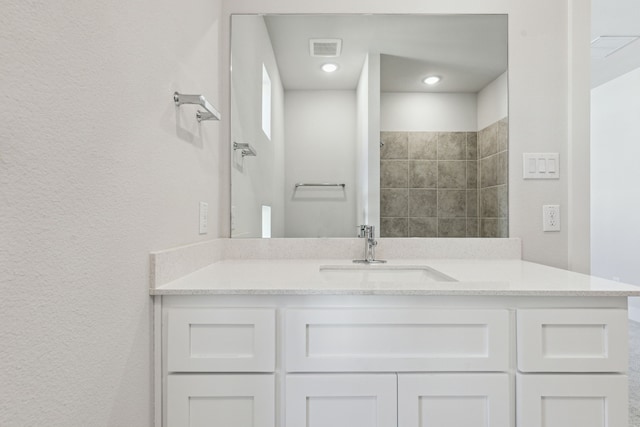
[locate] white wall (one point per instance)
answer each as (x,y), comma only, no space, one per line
(428,112)
(362,150)
(98,168)
(320,146)
(548,49)
(373,129)
(256,180)
(493,102)
(445,112)
(615,205)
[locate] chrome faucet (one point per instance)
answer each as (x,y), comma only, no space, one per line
(368,232)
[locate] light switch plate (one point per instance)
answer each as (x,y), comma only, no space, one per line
(540,166)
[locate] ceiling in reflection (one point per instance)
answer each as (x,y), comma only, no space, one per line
(468,51)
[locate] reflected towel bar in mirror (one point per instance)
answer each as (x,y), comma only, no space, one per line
(323,184)
(247,150)
(210,114)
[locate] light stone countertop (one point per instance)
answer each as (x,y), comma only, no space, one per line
(500,277)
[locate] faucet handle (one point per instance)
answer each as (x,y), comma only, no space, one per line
(367,231)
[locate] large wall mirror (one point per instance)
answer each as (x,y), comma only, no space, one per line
(334,123)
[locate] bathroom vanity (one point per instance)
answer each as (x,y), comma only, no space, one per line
(414,342)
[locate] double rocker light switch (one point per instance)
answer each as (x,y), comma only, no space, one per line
(541,166)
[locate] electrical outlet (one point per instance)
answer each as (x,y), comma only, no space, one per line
(204,218)
(551,218)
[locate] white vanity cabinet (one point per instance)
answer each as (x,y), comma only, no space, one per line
(571,366)
(374,347)
(220,365)
(393,361)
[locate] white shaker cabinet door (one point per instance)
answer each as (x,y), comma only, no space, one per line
(572,400)
(341,400)
(454,400)
(205,400)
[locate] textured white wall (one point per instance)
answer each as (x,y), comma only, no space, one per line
(428,112)
(320,141)
(615,206)
(97,169)
(548,94)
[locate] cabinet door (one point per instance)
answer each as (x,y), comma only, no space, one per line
(220,400)
(454,400)
(572,400)
(334,400)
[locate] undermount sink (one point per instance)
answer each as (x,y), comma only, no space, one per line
(383,273)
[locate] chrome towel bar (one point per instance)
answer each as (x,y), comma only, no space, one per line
(322,184)
(210,114)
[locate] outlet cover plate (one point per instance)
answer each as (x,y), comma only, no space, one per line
(551,218)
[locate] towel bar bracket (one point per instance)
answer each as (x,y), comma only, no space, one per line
(245,149)
(210,114)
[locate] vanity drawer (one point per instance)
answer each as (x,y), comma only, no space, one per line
(399,340)
(572,340)
(221,340)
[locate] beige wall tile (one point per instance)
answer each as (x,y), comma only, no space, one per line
(394,173)
(394,202)
(452,174)
(422,203)
(452,203)
(394,227)
(395,145)
(452,227)
(452,146)
(423,227)
(423,145)
(423,174)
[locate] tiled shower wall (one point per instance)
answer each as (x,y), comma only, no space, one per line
(493,179)
(444,184)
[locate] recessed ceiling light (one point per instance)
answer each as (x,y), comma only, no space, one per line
(431,80)
(329,68)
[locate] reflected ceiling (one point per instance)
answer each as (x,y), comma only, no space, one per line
(412,46)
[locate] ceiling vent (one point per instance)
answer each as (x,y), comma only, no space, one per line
(604,46)
(325,48)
